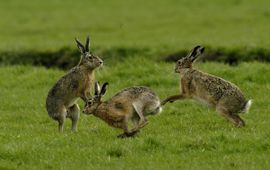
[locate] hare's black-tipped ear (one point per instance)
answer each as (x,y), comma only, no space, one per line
(80,46)
(97,88)
(87,44)
(202,50)
(196,52)
(104,88)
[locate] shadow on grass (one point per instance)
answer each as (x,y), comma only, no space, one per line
(66,58)
(229,56)
(151,144)
(115,152)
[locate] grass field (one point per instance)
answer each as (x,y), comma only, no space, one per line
(185,136)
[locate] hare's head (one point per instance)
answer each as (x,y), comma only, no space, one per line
(186,62)
(95,101)
(88,59)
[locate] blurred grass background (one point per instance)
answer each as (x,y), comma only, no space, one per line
(172,24)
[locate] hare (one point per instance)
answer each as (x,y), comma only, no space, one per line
(226,97)
(133,103)
(77,83)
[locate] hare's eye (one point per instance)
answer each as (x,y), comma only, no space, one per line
(90,57)
(89,103)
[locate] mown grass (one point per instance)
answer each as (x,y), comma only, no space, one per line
(156,24)
(185,136)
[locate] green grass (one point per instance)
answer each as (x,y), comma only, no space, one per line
(185,136)
(156,24)
(135,34)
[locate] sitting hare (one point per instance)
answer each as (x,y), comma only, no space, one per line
(62,97)
(133,103)
(214,91)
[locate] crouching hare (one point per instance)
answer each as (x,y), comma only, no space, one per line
(226,97)
(133,103)
(62,97)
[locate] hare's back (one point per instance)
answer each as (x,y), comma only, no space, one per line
(66,85)
(221,86)
(140,96)
(215,88)
(135,93)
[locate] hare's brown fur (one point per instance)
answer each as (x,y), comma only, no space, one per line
(77,83)
(211,90)
(133,103)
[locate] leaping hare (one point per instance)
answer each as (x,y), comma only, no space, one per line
(133,103)
(77,83)
(226,97)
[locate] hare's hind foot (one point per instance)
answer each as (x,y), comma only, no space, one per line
(239,122)
(142,124)
(235,119)
(74,114)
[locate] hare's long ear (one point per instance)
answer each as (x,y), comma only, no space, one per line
(97,88)
(87,44)
(104,89)
(196,52)
(80,46)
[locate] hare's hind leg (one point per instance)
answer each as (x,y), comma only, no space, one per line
(240,122)
(60,117)
(135,120)
(61,121)
(235,119)
(139,111)
(74,114)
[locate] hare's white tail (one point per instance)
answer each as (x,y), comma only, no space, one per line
(157,111)
(247,106)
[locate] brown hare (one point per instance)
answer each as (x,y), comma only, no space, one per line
(226,97)
(133,103)
(77,83)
